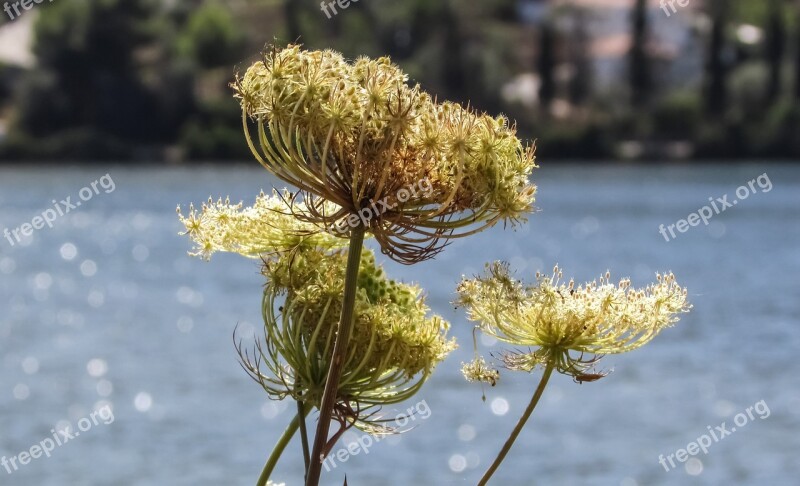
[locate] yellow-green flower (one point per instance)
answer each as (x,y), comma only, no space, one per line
(568,325)
(263,228)
(394,347)
(395,344)
(356,135)
(478,370)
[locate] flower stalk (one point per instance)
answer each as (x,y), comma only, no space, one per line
(277,451)
(301,412)
(340,346)
(522,420)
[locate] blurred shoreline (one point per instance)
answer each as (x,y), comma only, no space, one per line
(144,80)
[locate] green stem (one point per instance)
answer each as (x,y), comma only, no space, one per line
(525,416)
(278,449)
(340,346)
(303,433)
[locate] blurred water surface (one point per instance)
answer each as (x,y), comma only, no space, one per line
(106,308)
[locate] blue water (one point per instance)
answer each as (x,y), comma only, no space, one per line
(107,310)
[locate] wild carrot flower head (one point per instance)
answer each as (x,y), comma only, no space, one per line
(355,134)
(566,324)
(395,343)
(394,347)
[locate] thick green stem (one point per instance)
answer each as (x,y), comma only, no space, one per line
(344,330)
(525,416)
(279,448)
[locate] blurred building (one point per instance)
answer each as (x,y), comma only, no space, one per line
(675,42)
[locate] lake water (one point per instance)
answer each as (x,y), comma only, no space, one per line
(107,309)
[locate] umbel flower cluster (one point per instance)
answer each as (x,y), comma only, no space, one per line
(395,344)
(341,336)
(566,325)
(354,134)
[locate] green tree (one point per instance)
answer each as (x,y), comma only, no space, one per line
(547,63)
(639,69)
(796,7)
(88,84)
(580,86)
(774,49)
(453,64)
(211,37)
(291,10)
(716,69)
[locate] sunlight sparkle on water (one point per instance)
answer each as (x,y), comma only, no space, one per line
(97,367)
(500,406)
(143,402)
(68,251)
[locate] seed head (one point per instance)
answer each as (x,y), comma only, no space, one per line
(395,344)
(356,133)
